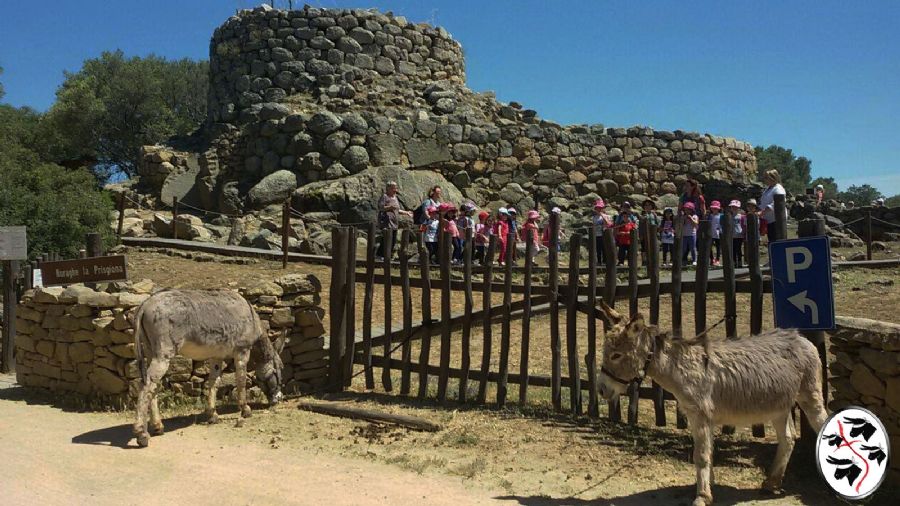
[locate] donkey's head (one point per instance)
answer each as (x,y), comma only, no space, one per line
(269,367)
(627,349)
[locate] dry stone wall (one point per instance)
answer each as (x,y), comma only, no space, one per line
(80,340)
(302,100)
(865,371)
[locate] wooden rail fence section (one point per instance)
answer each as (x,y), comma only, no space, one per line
(573,289)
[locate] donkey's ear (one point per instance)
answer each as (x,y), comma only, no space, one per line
(612,314)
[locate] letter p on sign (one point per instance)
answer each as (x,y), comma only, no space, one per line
(792,266)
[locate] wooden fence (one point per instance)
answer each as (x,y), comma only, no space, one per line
(575,293)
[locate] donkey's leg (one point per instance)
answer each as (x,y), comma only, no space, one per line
(212,385)
(155,372)
(240,368)
(702,429)
(784,430)
(156,425)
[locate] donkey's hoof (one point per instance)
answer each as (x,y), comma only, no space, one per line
(212,418)
(143,439)
(771,487)
(157,430)
(245,412)
(702,501)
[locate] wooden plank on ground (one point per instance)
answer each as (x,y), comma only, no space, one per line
(347,411)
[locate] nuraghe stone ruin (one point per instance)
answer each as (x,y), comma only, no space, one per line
(323,106)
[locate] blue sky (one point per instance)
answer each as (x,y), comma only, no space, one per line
(820,77)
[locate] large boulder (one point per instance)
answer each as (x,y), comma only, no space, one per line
(355,198)
(273,188)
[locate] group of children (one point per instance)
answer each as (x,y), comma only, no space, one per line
(456,222)
(504,224)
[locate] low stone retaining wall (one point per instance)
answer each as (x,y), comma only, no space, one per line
(80,340)
(865,371)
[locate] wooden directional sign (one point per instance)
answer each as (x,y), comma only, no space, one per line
(84,270)
(13,243)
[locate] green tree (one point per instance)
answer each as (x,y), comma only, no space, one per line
(860,195)
(831,188)
(892,201)
(794,171)
(2,91)
(56,204)
(114,105)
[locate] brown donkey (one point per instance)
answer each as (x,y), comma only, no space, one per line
(732,382)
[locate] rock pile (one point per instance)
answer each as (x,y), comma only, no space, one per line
(865,371)
(81,340)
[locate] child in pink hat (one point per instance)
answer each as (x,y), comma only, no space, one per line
(739,228)
(530,229)
(689,229)
(715,227)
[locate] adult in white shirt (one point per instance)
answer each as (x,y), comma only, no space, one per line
(767,202)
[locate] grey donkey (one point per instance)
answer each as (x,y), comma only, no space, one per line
(211,325)
(735,382)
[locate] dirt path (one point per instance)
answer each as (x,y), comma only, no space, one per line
(59,457)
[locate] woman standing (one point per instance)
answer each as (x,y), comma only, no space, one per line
(692,193)
(433,200)
(767,203)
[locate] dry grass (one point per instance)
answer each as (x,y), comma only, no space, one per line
(530,451)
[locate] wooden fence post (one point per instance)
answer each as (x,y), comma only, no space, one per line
(609,294)
(659,403)
(704,247)
(94,244)
(591,358)
(285,227)
(780,217)
(486,295)
(868,235)
(174,217)
(751,236)
(727,224)
(121,207)
(506,324)
(367,306)
(633,266)
(406,295)
(526,320)
(466,364)
(812,228)
(349,307)
(336,309)
(555,342)
(8,363)
(425,344)
(387,249)
(572,325)
(444,373)
(677,329)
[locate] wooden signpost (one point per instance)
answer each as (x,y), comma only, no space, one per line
(84,270)
(13,247)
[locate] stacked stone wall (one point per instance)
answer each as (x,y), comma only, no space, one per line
(81,341)
(266,55)
(319,95)
(865,371)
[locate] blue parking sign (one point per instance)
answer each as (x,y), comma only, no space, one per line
(802,290)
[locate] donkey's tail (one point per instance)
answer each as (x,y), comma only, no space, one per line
(138,352)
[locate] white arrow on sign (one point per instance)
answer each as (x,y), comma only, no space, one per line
(801,301)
